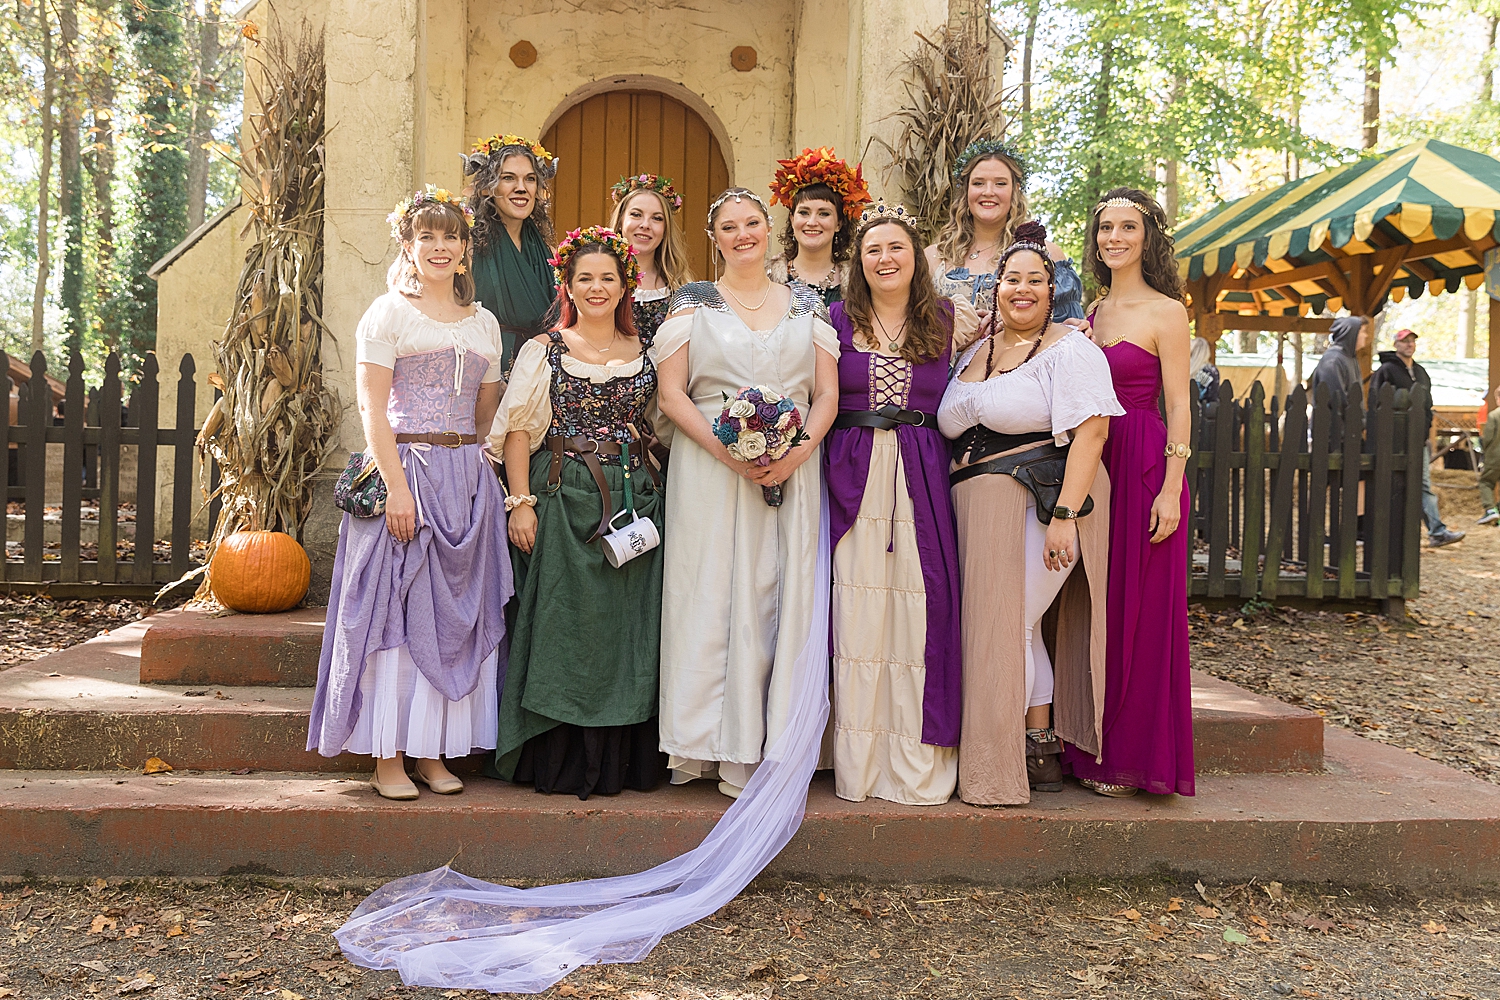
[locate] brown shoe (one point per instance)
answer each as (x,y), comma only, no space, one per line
(1105,788)
(1044,764)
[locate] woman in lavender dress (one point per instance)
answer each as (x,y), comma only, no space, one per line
(410,657)
(1142,327)
(897,655)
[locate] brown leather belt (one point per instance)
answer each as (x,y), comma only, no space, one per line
(445,439)
(588,451)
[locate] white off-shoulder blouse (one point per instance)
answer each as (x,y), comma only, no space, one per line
(394,328)
(527,404)
(1055,391)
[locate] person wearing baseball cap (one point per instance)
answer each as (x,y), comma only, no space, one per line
(1400,369)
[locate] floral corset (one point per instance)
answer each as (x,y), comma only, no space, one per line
(435,391)
(605,410)
(649,306)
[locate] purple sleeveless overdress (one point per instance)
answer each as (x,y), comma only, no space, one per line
(442,594)
(1148,709)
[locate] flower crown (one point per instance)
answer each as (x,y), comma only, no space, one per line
(607,238)
(429,195)
(984,147)
(483,149)
(881,212)
(821,166)
(646,182)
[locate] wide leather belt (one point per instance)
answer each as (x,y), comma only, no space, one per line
(1005,465)
(588,451)
(888,417)
(445,439)
(979,441)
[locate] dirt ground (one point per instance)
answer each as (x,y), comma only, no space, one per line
(1431,685)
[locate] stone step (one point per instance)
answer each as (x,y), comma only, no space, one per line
(1376,815)
(84,708)
(194,647)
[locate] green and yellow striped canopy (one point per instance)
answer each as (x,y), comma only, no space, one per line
(1427,192)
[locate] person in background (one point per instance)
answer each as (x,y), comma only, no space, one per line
(1400,369)
(825,197)
(646,207)
(1339,366)
(1205,374)
(1489,441)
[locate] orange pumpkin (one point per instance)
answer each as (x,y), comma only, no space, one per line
(260,571)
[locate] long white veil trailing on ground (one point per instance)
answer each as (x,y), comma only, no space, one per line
(444,929)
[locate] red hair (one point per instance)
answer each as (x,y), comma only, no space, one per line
(567,313)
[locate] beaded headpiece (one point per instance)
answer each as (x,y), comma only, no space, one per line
(429,195)
(599,236)
(735,194)
(646,182)
(881,212)
(981,148)
(1029,236)
(493,149)
(821,166)
(1122,202)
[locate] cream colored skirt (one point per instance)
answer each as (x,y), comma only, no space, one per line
(879,639)
(401,711)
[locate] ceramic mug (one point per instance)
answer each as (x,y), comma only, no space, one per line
(625,542)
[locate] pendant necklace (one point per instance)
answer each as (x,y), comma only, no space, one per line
(890,344)
(976,253)
(601,350)
(741,301)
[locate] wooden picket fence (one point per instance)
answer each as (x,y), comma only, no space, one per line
(1317,502)
(94,428)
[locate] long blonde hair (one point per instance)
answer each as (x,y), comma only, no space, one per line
(671,254)
(439,217)
(958,232)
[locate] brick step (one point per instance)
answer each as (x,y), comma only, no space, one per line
(84,708)
(1376,814)
(193,647)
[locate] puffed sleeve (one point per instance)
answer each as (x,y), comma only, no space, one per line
(824,335)
(965,324)
(375,337)
(527,404)
(494,346)
(671,337)
(1081,385)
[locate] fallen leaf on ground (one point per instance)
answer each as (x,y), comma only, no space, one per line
(1433,927)
(1130,914)
(156,765)
(98,967)
(1234,937)
(1205,956)
(1206,912)
(798,978)
(1175,905)
(102,923)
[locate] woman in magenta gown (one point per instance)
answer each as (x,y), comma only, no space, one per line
(1147,739)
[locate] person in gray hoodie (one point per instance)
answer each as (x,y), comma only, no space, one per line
(1339,367)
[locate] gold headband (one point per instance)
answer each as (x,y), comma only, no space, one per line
(1123,202)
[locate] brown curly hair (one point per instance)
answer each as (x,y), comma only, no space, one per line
(487,219)
(928,331)
(1158,263)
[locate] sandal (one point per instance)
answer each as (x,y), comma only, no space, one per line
(1105,788)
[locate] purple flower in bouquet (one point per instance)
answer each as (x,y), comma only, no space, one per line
(760,425)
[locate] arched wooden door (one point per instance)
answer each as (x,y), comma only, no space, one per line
(624,132)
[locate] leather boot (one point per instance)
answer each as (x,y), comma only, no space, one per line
(1044,762)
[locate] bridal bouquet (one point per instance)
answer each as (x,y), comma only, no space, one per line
(760,425)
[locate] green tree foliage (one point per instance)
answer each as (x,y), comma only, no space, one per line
(158,218)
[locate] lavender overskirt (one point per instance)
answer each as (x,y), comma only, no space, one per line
(442,594)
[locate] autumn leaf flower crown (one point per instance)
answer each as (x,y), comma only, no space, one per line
(984,147)
(646,182)
(601,236)
(429,195)
(821,166)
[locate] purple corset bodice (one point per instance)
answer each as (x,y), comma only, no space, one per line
(435,391)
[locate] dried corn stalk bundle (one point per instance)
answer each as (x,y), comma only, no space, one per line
(276,421)
(952,99)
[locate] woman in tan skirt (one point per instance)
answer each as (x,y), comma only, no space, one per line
(1031,403)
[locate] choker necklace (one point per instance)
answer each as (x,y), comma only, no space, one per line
(822,283)
(890,342)
(741,301)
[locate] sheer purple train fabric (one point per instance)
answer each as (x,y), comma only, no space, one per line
(445,929)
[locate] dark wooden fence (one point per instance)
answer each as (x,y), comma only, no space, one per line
(95,427)
(1318,502)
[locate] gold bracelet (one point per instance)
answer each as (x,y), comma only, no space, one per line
(1178,451)
(512,502)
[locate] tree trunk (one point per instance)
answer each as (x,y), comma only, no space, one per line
(71,179)
(1370,136)
(1101,117)
(1170,190)
(44,183)
(1487,80)
(1033,11)
(101,166)
(203,117)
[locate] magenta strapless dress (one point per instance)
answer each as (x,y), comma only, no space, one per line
(1148,708)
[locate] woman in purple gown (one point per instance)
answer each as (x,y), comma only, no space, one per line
(897,655)
(1142,327)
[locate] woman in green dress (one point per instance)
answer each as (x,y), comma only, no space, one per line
(512,235)
(578,710)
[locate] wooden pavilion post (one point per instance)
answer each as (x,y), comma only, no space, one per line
(1494,345)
